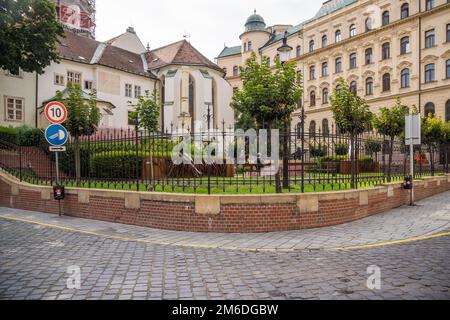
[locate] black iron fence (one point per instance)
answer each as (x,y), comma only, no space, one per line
(138,160)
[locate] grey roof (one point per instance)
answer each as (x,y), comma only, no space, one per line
(279,36)
(331,6)
(66,93)
(255,23)
(230,51)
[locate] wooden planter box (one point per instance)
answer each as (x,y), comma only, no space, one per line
(364,166)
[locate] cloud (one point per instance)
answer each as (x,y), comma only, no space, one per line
(209,23)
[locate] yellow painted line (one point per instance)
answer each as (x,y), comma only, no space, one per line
(227,248)
(395,242)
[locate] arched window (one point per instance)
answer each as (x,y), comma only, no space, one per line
(368,55)
(353,61)
(225,71)
(447,69)
(324,69)
(404,11)
(311,46)
(352,30)
(312,99)
(338,88)
(405,78)
(312,128)
(430,109)
(337,36)
(386,51)
(385,18)
(298,51)
(404,45)
(369,86)
(369,24)
(312,72)
(447,111)
(354,87)
(325,96)
(429,38)
(324,41)
(250,46)
(429,72)
(386,82)
(325,127)
(235,71)
(338,65)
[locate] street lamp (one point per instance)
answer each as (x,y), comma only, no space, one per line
(285,50)
(285,54)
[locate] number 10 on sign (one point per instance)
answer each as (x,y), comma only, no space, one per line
(56,112)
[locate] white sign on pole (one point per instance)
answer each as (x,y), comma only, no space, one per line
(415,130)
(57,149)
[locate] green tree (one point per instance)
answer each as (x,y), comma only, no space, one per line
(391,123)
(433,135)
(352,117)
(83,117)
(268,97)
(374,147)
(29,33)
(147,113)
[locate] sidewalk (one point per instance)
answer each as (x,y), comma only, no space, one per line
(430,217)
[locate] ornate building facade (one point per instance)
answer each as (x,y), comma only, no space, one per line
(385,50)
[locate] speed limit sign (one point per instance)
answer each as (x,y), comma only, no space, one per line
(56,112)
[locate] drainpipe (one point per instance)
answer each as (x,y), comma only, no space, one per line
(36,100)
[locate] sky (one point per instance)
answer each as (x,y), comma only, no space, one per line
(210,23)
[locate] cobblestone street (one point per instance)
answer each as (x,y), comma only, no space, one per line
(34,257)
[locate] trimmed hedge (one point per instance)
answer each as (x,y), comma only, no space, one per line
(23,135)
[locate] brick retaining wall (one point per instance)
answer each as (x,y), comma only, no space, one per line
(227,213)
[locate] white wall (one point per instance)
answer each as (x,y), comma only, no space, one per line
(23,87)
(111,88)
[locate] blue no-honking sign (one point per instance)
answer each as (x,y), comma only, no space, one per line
(56,135)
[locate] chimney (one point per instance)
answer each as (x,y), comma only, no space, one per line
(131,30)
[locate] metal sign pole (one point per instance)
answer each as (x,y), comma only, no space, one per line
(57,179)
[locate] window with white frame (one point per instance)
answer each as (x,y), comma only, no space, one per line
(137,91)
(59,79)
(128,90)
(73,77)
(14,109)
(88,85)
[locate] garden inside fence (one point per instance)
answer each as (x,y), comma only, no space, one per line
(138,160)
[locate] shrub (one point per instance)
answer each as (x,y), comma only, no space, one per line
(317,151)
(118,165)
(342,149)
(8,134)
(23,135)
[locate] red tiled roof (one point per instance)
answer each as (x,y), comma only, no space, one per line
(82,49)
(178,53)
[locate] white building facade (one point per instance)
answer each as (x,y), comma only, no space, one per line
(120,71)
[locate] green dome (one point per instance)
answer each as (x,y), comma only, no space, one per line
(255,23)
